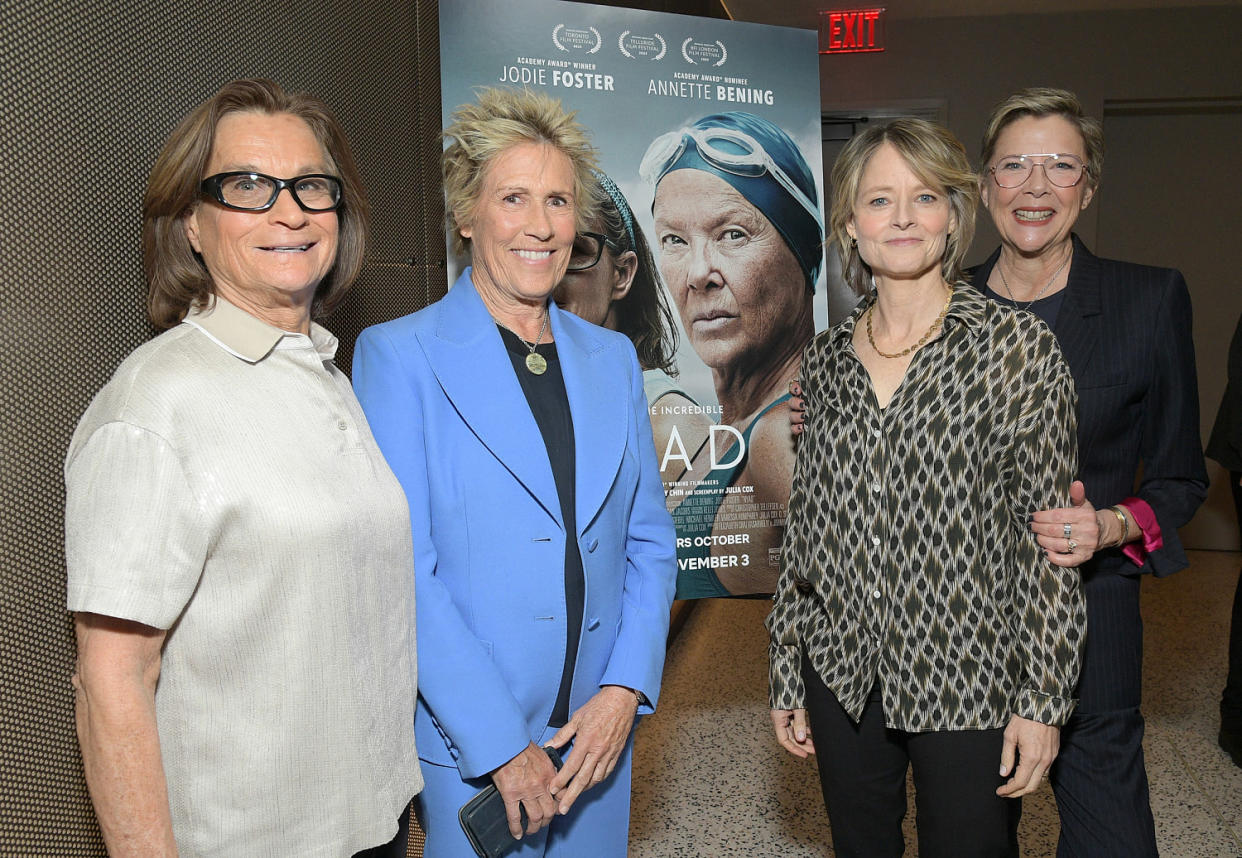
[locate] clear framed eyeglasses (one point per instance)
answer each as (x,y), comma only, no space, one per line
(1014,171)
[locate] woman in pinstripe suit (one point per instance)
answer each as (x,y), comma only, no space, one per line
(1125,330)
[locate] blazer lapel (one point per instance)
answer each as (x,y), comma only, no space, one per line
(599,404)
(470,361)
(1077,326)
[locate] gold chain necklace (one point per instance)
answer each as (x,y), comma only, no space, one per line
(944,311)
(535,362)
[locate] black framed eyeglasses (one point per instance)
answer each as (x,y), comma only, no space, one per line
(256,192)
(587,250)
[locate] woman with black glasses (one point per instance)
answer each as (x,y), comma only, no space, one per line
(239,554)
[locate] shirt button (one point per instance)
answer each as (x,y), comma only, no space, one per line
(875,487)
(875,594)
(342,425)
(875,540)
(875,431)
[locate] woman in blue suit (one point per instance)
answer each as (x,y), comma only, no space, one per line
(544,555)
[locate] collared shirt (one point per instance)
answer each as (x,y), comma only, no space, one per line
(907,558)
(224,486)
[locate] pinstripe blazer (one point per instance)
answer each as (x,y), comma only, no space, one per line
(1125,330)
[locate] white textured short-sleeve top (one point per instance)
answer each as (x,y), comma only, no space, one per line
(224,486)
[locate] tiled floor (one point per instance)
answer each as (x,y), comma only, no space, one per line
(710,781)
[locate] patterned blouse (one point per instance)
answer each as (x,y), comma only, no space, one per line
(907,558)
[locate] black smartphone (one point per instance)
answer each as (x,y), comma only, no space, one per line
(484,821)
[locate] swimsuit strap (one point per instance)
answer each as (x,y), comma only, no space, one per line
(773,404)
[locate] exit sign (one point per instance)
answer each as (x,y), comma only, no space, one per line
(851,31)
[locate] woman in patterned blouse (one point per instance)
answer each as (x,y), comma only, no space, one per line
(917,622)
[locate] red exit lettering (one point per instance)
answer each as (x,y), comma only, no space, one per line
(851,31)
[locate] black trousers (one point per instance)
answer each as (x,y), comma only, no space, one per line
(862,770)
(1100,777)
(395,848)
(1231,699)
(1099,751)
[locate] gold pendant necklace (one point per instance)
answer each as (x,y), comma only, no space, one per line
(934,325)
(536,363)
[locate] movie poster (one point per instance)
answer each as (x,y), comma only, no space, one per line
(709,133)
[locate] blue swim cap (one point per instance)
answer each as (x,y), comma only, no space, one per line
(773,176)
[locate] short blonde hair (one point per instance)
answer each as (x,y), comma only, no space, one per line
(937,158)
(1039,101)
(498,119)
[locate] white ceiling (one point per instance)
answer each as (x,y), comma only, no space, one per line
(805,13)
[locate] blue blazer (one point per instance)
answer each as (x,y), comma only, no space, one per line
(449,414)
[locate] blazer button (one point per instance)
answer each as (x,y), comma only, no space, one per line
(802,585)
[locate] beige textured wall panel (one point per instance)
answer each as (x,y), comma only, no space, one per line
(90,90)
